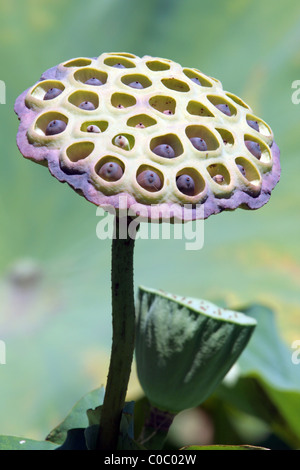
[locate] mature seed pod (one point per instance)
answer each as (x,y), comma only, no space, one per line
(111,171)
(87,105)
(253,124)
(164,150)
(122,141)
(254,148)
(136,85)
(149,180)
(93,81)
(186,185)
(52,93)
(199,143)
(55,127)
(224,108)
(93,128)
(218,179)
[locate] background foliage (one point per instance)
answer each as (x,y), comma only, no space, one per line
(55,273)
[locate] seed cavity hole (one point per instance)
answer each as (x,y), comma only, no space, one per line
(197,77)
(90,76)
(202,138)
(122,100)
(110,169)
(175,84)
(141,121)
(219,174)
(79,151)
(136,81)
(85,100)
(189,182)
(149,178)
(119,62)
(198,109)
(248,170)
(166,146)
(124,141)
(94,126)
(78,62)
(163,104)
(157,65)
(51,123)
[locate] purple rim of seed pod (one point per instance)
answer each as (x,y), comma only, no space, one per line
(126,202)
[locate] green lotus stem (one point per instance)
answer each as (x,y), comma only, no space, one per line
(123,325)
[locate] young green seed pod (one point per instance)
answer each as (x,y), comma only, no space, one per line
(55,127)
(254,148)
(87,105)
(199,143)
(52,93)
(186,185)
(149,180)
(224,108)
(93,81)
(111,171)
(164,150)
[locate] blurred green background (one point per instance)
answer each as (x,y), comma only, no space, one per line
(55,273)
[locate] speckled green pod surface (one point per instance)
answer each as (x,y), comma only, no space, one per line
(135,132)
(185,347)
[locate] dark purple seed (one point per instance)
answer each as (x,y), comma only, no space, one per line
(119,66)
(87,105)
(253,124)
(52,93)
(111,171)
(93,81)
(199,143)
(164,150)
(218,179)
(224,108)
(136,85)
(55,127)
(242,170)
(196,80)
(254,148)
(186,185)
(149,180)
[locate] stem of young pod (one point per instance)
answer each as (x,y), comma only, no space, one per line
(123,325)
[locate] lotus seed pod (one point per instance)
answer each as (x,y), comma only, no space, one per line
(93,128)
(111,171)
(164,150)
(87,105)
(185,347)
(199,143)
(224,108)
(254,148)
(186,185)
(136,85)
(253,124)
(52,93)
(55,127)
(94,81)
(149,180)
(205,138)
